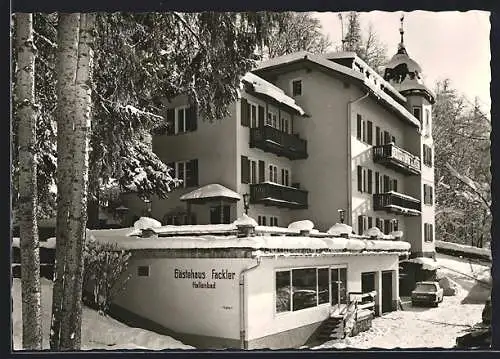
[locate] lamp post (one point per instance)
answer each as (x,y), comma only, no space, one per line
(246,202)
(341,215)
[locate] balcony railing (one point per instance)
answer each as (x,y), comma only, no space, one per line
(396,158)
(397,203)
(270,139)
(273,194)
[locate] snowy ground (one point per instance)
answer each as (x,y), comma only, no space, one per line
(428,327)
(98,332)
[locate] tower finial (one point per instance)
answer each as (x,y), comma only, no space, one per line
(401,29)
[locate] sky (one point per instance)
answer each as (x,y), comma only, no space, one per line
(447,44)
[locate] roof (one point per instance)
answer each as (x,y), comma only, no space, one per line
(261,86)
(210,191)
(369,84)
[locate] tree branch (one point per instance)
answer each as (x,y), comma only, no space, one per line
(184,22)
(469,183)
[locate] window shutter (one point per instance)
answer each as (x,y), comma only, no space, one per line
(360,225)
(378,137)
(370,133)
(358,135)
(395,185)
(245,118)
(377,182)
(365,180)
(430,196)
(396,225)
(387,225)
(192,169)
(387,137)
(170,121)
(360,179)
(431,232)
(370,222)
(364,131)
(172,172)
(370,181)
(386,183)
(262,171)
(192,113)
(261,116)
(245,169)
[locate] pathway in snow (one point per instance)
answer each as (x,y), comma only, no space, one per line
(426,327)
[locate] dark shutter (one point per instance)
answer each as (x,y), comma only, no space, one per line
(192,170)
(393,139)
(426,194)
(395,185)
(261,116)
(360,179)
(370,181)
(172,172)
(396,225)
(387,228)
(170,121)
(245,169)
(192,120)
(365,181)
(431,234)
(386,184)
(358,135)
(370,132)
(370,222)
(262,171)
(430,196)
(377,183)
(360,225)
(245,118)
(378,137)
(387,137)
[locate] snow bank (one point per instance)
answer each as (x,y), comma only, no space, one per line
(146,223)
(373,232)
(98,332)
(305,225)
(339,228)
(463,248)
(427,263)
(245,220)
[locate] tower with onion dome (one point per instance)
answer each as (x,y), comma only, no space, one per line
(405,75)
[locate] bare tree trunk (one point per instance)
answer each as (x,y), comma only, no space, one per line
(28,230)
(74,119)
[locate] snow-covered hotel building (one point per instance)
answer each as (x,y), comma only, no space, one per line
(310,135)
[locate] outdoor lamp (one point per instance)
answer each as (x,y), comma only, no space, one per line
(341,215)
(246,204)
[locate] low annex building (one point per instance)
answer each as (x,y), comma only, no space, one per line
(241,285)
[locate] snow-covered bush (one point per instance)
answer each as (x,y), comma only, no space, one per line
(304,225)
(103,277)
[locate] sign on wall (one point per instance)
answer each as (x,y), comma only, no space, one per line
(204,279)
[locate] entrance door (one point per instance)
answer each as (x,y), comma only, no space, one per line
(220,214)
(339,287)
(386,291)
(367,282)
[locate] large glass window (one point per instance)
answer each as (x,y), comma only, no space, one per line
(339,286)
(323,287)
(283,302)
(304,288)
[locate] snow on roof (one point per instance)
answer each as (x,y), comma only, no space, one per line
(245,220)
(305,225)
(376,89)
(213,190)
(463,248)
(427,263)
(262,86)
(264,242)
(405,196)
(339,228)
(404,210)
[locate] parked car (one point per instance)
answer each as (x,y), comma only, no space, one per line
(429,293)
(479,338)
(486,315)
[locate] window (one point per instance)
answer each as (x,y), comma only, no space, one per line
(369,128)
(143,271)
(427,154)
(272,119)
(220,214)
(283,292)
(379,223)
(253,171)
(273,174)
(262,220)
(428,195)
(323,286)
(339,286)
(297,88)
(304,288)
(394,186)
(364,130)
(378,136)
(273,221)
(363,224)
(285,123)
(359,129)
(181,119)
(428,232)
(427,122)
(365,180)
(186,171)
(254,121)
(417,112)
(387,137)
(363,135)
(252,115)
(394,225)
(285,177)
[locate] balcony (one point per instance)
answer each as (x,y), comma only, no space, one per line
(396,203)
(273,194)
(396,158)
(272,140)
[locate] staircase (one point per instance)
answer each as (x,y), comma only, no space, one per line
(332,328)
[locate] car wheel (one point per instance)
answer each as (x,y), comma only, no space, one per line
(435,304)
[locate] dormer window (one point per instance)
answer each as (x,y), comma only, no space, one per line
(296,87)
(417,112)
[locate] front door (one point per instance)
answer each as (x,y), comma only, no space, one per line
(386,292)
(339,288)
(220,214)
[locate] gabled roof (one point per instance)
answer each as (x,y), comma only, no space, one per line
(373,86)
